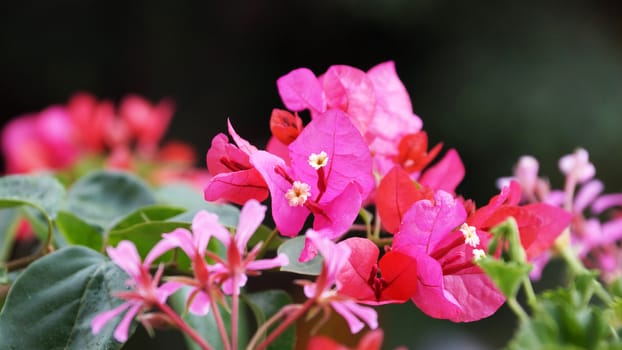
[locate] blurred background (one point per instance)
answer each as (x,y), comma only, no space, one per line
(493,79)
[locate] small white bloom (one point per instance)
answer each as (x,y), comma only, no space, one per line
(318,161)
(298,194)
(470,235)
(478,254)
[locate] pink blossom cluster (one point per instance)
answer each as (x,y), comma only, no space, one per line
(596,226)
(61,136)
(364,147)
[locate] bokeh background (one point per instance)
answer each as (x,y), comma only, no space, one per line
(494,79)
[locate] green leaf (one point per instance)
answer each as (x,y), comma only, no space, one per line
(185,196)
(103,197)
(292,248)
(265,305)
(261,235)
(77,232)
(148,214)
(506,275)
(42,192)
(9,219)
(52,303)
(206,325)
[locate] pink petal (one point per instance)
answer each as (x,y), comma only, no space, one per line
(335,256)
(350,90)
(289,220)
(587,194)
(244,145)
(200,304)
(354,274)
(393,115)
(221,148)
(120,333)
(300,90)
(476,293)
(126,257)
(612,230)
(340,213)
(446,174)
(234,288)
(605,202)
(427,223)
(205,224)
(236,187)
(266,264)
(353,313)
(430,295)
(180,238)
(349,158)
(99,321)
(251,216)
(279,149)
(167,289)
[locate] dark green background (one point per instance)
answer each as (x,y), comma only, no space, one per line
(494,79)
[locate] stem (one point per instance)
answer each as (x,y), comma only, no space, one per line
(530,294)
(377,226)
(235,302)
(183,326)
(264,327)
(518,310)
(286,323)
(576,266)
(218,318)
(27,260)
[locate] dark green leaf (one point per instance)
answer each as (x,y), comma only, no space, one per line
(145,235)
(292,248)
(103,197)
(42,192)
(265,305)
(52,303)
(261,235)
(77,232)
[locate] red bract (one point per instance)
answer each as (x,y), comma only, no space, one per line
(329,176)
(393,279)
(449,284)
(148,122)
(285,126)
(395,195)
(370,341)
(538,224)
(234,178)
(413,153)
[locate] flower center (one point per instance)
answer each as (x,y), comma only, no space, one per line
(478,254)
(318,161)
(298,194)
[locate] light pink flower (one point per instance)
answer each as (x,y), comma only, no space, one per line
(577,165)
(326,289)
(144,294)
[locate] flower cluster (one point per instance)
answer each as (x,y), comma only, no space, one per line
(596,226)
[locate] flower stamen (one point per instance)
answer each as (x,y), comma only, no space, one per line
(470,235)
(318,161)
(298,194)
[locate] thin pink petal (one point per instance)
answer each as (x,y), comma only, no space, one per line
(120,333)
(251,216)
(300,90)
(99,321)
(244,145)
(353,313)
(587,194)
(205,223)
(126,257)
(266,264)
(605,202)
(200,304)
(168,289)
(180,238)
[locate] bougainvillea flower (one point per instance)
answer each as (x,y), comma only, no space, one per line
(539,224)
(239,262)
(148,122)
(326,288)
(449,284)
(329,176)
(285,126)
(372,340)
(234,178)
(94,121)
(395,194)
(144,294)
(40,141)
(445,175)
(393,279)
(413,153)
